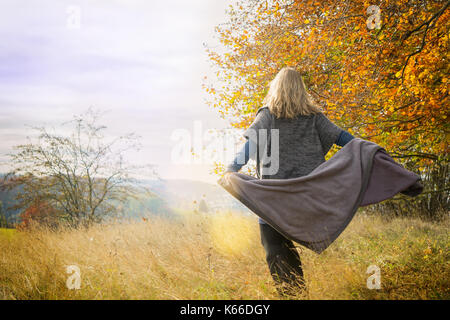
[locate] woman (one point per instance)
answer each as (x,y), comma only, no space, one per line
(305,136)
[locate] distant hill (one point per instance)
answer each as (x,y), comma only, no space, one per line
(180,193)
(170,195)
(7,199)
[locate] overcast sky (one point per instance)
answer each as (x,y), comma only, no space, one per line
(142,61)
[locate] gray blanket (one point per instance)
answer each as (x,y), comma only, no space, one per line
(313,210)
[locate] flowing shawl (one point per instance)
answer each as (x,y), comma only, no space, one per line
(313,210)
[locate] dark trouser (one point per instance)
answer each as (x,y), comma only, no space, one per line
(283,259)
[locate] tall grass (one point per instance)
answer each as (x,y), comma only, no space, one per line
(220,257)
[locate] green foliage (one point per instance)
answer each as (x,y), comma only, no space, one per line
(3,221)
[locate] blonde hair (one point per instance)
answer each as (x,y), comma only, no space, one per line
(287,96)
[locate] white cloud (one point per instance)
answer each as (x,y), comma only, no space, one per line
(142,60)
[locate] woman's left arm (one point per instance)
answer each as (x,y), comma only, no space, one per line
(242,157)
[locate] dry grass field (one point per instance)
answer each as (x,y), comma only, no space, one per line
(220,257)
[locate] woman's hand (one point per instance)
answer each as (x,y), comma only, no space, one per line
(224,178)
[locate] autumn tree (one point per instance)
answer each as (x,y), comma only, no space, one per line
(378,68)
(3,220)
(77,178)
(39,213)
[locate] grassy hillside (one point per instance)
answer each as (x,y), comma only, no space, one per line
(220,257)
(6,234)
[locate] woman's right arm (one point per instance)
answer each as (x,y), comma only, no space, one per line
(330,133)
(344,138)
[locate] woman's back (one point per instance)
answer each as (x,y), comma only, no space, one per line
(303,142)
